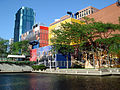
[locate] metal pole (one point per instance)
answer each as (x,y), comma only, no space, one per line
(49,60)
(67,62)
(50,64)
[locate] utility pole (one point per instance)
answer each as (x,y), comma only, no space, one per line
(67,62)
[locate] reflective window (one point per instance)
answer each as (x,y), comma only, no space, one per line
(28,12)
(25,12)
(24,17)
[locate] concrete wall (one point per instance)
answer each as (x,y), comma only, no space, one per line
(14,68)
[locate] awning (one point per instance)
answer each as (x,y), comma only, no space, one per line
(16,56)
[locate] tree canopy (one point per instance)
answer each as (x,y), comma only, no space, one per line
(89,35)
(20,48)
(3,47)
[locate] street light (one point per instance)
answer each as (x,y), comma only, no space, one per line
(50,60)
(71,14)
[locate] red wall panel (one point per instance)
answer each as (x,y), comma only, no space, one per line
(44,28)
(43,36)
(33,55)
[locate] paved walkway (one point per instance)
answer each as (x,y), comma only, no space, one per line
(87,72)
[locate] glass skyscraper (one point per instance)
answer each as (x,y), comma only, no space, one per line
(24,20)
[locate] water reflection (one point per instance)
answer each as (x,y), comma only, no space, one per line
(37,81)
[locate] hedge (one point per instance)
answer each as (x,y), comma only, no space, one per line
(18,62)
(39,67)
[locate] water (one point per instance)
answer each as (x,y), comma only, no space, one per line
(37,81)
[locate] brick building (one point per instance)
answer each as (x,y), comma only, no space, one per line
(86,11)
(109,14)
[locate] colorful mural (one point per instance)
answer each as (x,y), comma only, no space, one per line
(44,56)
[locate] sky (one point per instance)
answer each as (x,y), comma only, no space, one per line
(46,11)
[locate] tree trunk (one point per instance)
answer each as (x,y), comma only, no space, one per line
(93,60)
(108,60)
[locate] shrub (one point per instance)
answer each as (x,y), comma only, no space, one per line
(18,62)
(37,67)
(116,66)
(77,66)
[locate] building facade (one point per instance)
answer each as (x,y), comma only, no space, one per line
(39,34)
(109,14)
(24,20)
(85,12)
(56,25)
(11,40)
(43,55)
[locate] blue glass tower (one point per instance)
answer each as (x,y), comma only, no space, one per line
(24,20)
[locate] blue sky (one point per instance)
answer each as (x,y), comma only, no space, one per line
(46,11)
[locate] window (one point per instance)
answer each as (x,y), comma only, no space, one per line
(86,11)
(92,10)
(28,26)
(24,17)
(28,18)
(24,12)
(89,11)
(28,12)
(78,16)
(82,13)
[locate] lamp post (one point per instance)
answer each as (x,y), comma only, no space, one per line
(71,14)
(50,60)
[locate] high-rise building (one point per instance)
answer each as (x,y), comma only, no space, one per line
(11,41)
(24,20)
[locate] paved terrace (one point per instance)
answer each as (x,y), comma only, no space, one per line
(87,72)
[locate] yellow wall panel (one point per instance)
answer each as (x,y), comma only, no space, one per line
(58,24)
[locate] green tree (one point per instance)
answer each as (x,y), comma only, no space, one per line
(21,47)
(94,31)
(84,36)
(62,40)
(3,47)
(112,45)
